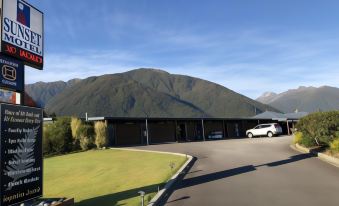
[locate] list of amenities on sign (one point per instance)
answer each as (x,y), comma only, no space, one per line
(21,153)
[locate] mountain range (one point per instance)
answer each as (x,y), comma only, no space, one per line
(143,92)
(306,99)
(42,92)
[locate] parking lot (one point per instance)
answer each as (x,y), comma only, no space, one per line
(258,171)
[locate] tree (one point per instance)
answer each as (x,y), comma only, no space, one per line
(47,146)
(61,135)
(101,137)
(75,126)
(86,136)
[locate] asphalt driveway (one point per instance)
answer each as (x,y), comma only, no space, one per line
(255,172)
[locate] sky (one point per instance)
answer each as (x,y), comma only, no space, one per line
(249,46)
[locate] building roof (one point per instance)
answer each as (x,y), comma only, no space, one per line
(280,116)
(296,115)
(164,118)
(269,115)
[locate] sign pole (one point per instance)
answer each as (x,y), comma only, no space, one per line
(22,94)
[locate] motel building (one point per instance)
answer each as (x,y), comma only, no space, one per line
(127,131)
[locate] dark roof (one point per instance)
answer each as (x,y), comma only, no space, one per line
(269,115)
(296,115)
(163,118)
(280,116)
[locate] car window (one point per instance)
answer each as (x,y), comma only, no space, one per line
(265,126)
(257,127)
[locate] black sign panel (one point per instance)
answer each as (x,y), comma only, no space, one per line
(21,153)
(11,74)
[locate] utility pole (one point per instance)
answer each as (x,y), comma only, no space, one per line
(203,129)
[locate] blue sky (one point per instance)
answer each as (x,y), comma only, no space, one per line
(249,46)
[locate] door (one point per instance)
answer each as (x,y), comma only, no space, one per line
(199,132)
(256,130)
(182,132)
(263,129)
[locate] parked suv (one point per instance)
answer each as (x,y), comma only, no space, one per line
(269,130)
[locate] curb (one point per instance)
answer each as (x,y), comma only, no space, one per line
(301,148)
(324,157)
(155,200)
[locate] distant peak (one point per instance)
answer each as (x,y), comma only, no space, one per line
(268,94)
(73,81)
(304,87)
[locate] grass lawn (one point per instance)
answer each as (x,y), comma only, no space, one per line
(107,177)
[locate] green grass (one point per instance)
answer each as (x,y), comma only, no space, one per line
(107,177)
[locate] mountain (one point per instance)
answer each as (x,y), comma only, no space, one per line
(267,97)
(149,92)
(42,92)
(307,99)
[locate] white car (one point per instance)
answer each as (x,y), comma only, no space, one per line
(269,130)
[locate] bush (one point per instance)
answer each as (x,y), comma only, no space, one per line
(75,126)
(57,137)
(334,145)
(101,139)
(319,129)
(308,142)
(66,135)
(298,138)
(62,135)
(47,147)
(86,136)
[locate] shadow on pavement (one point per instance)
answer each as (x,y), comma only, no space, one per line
(236,171)
(215,176)
(293,158)
(181,198)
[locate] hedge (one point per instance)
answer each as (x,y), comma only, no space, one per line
(57,136)
(319,129)
(67,135)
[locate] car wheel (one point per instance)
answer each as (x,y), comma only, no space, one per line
(249,135)
(269,134)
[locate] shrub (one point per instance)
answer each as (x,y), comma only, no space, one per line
(62,135)
(75,125)
(308,142)
(334,145)
(101,139)
(47,147)
(86,136)
(67,134)
(319,128)
(298,138)
(57,136)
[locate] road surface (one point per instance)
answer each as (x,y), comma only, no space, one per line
(255,172)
